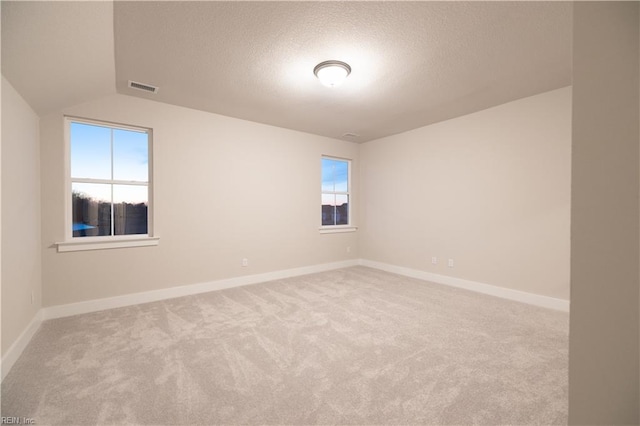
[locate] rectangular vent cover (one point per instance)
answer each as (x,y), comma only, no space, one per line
(350,135)
(141,86)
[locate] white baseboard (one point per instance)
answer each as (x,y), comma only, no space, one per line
(14,352)
(186,290)
(505,293)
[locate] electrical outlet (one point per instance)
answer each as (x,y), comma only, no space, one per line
(434,260)
(33,298)
(450,263)
(245,262)
(348,249)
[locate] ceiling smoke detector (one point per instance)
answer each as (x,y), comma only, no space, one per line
(332,73)
(142,86)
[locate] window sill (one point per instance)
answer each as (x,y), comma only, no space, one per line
(337,229)
(107,243)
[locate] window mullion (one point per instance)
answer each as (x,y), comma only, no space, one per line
(333,177)
(112,205)
(109,181)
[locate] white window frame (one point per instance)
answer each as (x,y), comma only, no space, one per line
(330,229)
(72,243)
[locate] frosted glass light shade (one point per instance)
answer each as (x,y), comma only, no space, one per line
(332,73)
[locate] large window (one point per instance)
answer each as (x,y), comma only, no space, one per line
(335,191)
(109,178)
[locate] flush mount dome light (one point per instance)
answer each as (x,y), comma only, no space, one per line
(332,73)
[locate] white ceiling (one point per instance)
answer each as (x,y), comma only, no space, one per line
(414,63)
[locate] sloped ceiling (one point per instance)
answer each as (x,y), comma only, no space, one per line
(58,54)
(414,63)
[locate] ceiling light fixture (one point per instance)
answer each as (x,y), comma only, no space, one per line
(332,73)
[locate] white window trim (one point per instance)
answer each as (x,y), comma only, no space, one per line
(334,229)
(100,243)
(112,241)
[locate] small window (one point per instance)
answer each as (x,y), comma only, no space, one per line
(109,178)
(335,192)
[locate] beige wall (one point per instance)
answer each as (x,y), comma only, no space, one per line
(603,344)
(489,190)
(224,189)
(20,215)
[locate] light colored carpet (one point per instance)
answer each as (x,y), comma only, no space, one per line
(351,346)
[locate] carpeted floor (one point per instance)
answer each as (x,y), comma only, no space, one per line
(351,346)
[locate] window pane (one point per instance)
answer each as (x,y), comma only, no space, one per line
(335,175)
(130,155)
(130,203)
(341,175)
(91,209)
(90,151)
(342,209)
(328,209)
(328,167)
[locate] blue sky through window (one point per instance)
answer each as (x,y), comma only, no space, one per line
(335,176)
(90,151)
(91,158)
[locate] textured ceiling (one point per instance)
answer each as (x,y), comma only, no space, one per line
(414,63)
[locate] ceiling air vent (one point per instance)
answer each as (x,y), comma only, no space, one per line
(350,135)
(141,86)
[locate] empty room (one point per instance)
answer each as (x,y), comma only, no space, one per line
(310,213)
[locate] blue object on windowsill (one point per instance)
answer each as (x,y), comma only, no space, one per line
(82,227)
